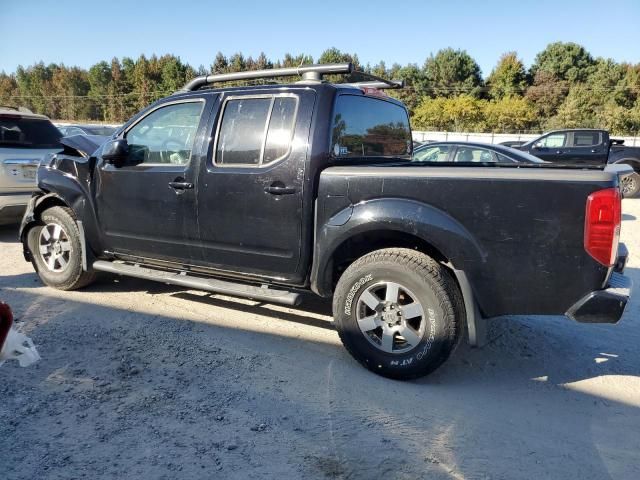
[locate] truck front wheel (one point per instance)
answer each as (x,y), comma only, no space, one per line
(398,312)
(56,250)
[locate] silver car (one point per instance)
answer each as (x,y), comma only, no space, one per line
(25,139)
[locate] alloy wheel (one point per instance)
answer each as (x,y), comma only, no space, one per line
(54,247)
(390,317)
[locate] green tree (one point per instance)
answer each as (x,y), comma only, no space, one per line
(333,55)
(547,93)
(415,85)
(99,79)
(510,114)
(580,109)
(565,61)
(9,90)
(451,72)
(430,115)
(508,78)
(220,64)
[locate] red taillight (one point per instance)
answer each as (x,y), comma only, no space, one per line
(602,225)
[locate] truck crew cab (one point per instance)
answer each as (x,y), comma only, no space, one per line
(266,191)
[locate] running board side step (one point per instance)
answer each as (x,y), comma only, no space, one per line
(200,283)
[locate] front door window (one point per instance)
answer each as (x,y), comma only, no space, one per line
(165,136)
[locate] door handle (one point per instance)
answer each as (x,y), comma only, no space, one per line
(279,189)
(559,152)
(180,185)
(593,150)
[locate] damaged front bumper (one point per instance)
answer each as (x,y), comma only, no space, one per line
(606,305)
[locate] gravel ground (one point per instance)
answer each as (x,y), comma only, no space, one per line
(147,381)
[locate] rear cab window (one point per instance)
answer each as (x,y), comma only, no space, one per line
(17,131)
(369,127)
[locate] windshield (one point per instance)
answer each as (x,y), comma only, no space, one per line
(19,132)
(369,127)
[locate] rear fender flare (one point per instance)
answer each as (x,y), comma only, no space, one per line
(431,225)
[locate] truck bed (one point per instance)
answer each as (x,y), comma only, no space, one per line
(517,233)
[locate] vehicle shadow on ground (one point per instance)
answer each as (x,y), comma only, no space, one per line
(248,375)
(529,343)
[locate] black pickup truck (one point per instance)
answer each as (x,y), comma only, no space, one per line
(581,147)
(268,191)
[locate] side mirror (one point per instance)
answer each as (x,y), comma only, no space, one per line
(538,145)
(115,152)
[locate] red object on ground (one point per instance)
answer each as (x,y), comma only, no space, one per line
(6,320)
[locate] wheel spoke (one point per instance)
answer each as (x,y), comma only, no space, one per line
(368,323)
(410,335)
(412,310)
(370,299)
(387,340)
(392,292)
(44,249)
(56,232)
(45,233)
(66,246)
(62,262)
(51,262)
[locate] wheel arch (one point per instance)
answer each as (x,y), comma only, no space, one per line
(388,223)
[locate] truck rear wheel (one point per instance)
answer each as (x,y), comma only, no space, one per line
(630,185)
(398,312)
(56,250)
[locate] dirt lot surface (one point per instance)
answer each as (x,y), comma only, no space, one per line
(142,380)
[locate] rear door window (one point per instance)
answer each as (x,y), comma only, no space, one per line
(369,127)
(19,132)
(587,139)
(255,131)
(475,155)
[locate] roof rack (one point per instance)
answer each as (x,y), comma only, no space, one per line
(309,73)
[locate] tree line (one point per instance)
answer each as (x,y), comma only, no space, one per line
(565,87)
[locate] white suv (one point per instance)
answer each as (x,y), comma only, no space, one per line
(25,139)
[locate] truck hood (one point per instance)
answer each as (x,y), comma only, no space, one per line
(83,145)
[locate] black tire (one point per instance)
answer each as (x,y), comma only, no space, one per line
(631,185)
(71,276)
(418,276)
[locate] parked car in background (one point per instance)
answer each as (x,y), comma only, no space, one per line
(25,139)
(102,130)
(471,152)
(588,147)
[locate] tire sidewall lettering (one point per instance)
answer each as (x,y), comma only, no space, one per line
(348,302)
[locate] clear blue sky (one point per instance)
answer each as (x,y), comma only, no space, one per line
(84,32)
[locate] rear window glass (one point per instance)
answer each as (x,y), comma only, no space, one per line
(255,131)
(18,132)
(369,127)
(586,139)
